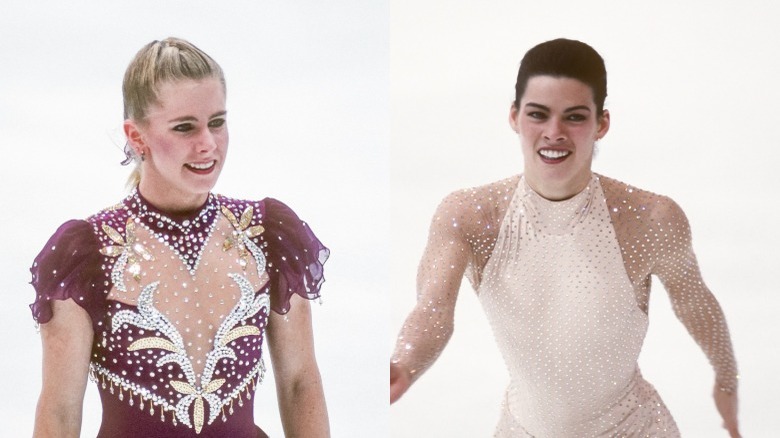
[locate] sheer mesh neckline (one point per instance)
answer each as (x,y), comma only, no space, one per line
(556,217)
(185,233)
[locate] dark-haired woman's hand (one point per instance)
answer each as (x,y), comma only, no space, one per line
(400,380)
(727,403)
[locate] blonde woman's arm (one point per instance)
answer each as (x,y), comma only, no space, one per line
(67,343)
(298,383)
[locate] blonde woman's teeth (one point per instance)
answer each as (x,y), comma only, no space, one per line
(201,166)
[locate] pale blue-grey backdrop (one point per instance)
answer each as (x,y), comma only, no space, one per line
(309,124)
(693,94)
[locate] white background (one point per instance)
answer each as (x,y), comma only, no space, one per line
(308,115)
(693,94)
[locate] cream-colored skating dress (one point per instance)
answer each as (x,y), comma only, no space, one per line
(565,287)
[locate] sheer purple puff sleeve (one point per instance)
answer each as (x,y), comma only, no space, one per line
(294,254)
(66,267)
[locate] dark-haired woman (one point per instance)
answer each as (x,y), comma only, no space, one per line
(561,259)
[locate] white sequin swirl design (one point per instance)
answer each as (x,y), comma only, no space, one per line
(149,318)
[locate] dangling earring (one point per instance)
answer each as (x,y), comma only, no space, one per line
(143,155)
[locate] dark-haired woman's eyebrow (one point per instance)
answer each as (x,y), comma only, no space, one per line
(538,105)
(576,108)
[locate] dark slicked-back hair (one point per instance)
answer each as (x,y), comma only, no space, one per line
(568,59)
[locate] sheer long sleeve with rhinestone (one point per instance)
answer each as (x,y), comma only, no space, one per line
(461,237)
(655,239)
(565,287)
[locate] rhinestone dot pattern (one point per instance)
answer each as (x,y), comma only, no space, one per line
(565,286)
(180,305)
(165,332)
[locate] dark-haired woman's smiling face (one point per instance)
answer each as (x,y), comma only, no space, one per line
(558,125)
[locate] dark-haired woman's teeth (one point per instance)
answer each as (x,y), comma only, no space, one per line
(551,154)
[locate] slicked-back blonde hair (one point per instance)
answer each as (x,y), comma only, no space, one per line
(172,59)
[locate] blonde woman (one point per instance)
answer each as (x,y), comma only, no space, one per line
(166,299)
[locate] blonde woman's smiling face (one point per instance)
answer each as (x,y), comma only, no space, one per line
(184,140)
(558,125)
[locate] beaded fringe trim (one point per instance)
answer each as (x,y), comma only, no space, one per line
(107,380)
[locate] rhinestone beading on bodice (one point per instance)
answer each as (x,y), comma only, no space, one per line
(191,305)
(565,286)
